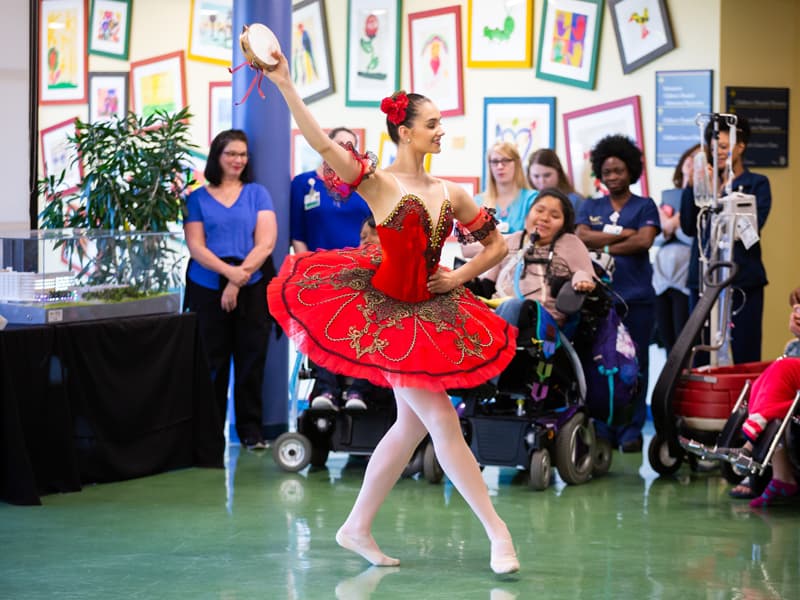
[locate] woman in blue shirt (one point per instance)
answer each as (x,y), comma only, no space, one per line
(625,225)
(230,229)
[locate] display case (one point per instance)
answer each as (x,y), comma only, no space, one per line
(60,275)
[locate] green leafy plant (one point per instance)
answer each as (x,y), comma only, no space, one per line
(135,173)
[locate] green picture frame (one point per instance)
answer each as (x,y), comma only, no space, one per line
(373,50)
(569,40)
(110,28)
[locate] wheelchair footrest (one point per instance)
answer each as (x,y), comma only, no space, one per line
(741,460)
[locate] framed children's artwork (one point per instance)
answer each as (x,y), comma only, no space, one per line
(63,75)
(584,128)
(211,31)
(471,185)
(569,40)
(387,152)
(196,164)
(220,108)
(642,29)
(108,96)
(311,53)
(435,57)
(373,51)
(305,158)
(110,28)
(159,83)
(528,122)
(499,37)
(59,155)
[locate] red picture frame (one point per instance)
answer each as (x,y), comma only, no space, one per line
(152,77)
(66,44)
(434,39)
(56,155)
(585,127)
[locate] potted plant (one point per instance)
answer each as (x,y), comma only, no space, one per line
(135,173)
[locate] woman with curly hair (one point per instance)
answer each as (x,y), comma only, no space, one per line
(625,225)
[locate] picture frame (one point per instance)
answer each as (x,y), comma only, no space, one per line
(108,95)
(528,122)
(495,39)
(311,51)
(642,29)
(196,162)
(220,108)
(373,51)
(569,40)
(159,83)
(110,28)
(435,41)
(680,96)
(471,185)
(305,158)
(584,128)
(59,154)
(211,31)
(387,152)
(63,70)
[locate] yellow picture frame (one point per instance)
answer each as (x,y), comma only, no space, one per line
(211,36)
(495,41)
(387,152)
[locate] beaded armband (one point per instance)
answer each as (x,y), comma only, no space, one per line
(477,229)
(340,189)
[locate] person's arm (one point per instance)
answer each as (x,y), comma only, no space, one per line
(494,247)
(574,253)
(763,193)
(195,236)
(598,240)
(264,237)
(297,216)
(299,246)
(688,212)
(640,241)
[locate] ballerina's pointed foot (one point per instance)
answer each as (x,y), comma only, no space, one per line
(504,558)
(366,547)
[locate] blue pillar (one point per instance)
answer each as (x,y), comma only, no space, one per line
(266,123)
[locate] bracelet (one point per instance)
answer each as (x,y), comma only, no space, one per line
(605,249)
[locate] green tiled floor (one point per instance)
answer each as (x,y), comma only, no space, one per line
(254,531)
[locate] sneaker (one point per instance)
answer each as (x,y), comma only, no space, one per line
(255,444)
(354,401)
(323,401)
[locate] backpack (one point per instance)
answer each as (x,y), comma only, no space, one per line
(611,371)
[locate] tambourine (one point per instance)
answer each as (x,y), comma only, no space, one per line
(258,43)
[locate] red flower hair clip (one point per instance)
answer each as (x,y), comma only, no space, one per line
(395,107)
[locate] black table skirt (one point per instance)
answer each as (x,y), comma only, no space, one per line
(103,401)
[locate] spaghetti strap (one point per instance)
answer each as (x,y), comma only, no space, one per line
(403,191)
(446,193)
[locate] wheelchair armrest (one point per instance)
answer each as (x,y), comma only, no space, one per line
(569,301)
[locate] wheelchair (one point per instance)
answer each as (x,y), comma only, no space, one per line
(535,416)
(318,432)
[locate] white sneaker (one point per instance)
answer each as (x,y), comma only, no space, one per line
(355,402)
(323,402)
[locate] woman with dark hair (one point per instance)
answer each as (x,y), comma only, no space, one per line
(230,229)
(545,171)
(625,225)
(392,315)
(542,258)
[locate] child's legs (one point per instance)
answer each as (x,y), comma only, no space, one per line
(772,394)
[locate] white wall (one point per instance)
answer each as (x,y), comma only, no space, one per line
(14,116)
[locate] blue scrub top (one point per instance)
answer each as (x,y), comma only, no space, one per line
(229,231)
(633,273)
(330,224)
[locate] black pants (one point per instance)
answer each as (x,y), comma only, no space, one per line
(672,312)
(242,334)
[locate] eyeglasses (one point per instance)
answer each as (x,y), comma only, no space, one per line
(500,161)
(232,154)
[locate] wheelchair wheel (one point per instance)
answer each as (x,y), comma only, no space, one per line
(292,451)
(659,457)
(540,470)
(431,469)
(574,448)
(602,456)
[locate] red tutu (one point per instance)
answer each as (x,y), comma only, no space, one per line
(400,335)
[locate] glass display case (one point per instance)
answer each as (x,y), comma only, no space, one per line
(61,275)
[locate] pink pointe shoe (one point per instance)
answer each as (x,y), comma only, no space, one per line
(504,559)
